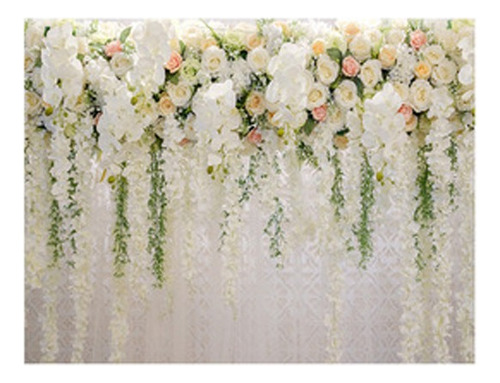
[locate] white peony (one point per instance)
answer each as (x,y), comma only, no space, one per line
(360,47)
(258,59)
(214,59)
(180,93)
(444,73)
(346,95)
(420,95)
(371,73)
(317,96)
(434,54)
(327,70)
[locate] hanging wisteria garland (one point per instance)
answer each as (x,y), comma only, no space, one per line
(159,106)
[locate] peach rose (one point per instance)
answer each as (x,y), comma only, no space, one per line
(254,137)
(341,142)
(422,70)
(417,39)
(407,112)
(255,104)
(318,47)
(174,63)
(351,30)
(112,48)
(350,67)
(319,113)
(387,56)
(166,105)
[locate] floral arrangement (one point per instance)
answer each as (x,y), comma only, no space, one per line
(161,108)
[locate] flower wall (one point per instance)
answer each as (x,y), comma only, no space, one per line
(254,191)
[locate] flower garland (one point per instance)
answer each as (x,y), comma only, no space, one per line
(121,231)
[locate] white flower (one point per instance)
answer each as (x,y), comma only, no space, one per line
(214,59)
(317,96)
(255,103)
(32,103)
(258,59)
(445,72)
(465,76)
(395,36)
(346,94)
(327,70)
(121,63)
(371,73)
(191,32)
(434,54)
(420,95)
(179,93)
(360,47)
(387,56)
(441,103)
(402,89)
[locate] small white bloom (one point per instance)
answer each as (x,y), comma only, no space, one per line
(371,73)
(346,94)
(180,94)
(395,36)
(317,96)
(360,47)
(121,63)
(445,72)
(434,54)
(258,59)
(420,95)
(327,70)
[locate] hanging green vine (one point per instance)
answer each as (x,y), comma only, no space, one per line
(337,198)
(72,208)
(275,232)
(55,241)
(157,205)
(249,183)
(452,153)
(424,212)
(363,230)
(121,230)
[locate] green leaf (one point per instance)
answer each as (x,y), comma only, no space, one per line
(46,30)
(360,86)
(182,46)
(125,33)
(308,127)
(335,54)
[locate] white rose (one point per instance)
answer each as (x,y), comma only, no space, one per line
(32,103)
(165,105)
(360,47)
(465,75)
(336,118)
(180,94)
(121,63)
(465,100)
(255,103)
(317,96)
(448,39)
(346,94)
(434,54)
(258,59)
(420,95)
(402,90)
(395,36)
(327,70)
(445,72)
(214,59)
(387,56)
(371,73)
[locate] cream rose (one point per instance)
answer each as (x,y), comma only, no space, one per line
(327,70)
(434,54)
(445,72)
(420,95)
(258,59)
(360,47)
(422,70)
(346,95)
(32,103)
(350,30)
(318,47)
(371,73)
(402,90)
(255,103)
(395,37)
(180,94)
(253,41)
(165,105)
(317,96)
(213,59)
(121,63)
(387,56)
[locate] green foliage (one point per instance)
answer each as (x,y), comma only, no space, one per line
(125,33)
(157,205)
(72,209)
(249,183)
(335,54)
(55,240)
(424,212)
(308,126)
(121,230)
(337,198)
(363,230)
(275,232)
(452,153)
(305,153)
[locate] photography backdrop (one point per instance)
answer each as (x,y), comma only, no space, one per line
(257,191)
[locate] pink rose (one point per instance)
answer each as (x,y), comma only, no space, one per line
(417,39)
(174,63)
(406,111)
(319,113)
(350,67)
(112,48)
(254,137)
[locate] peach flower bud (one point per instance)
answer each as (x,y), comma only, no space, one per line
(417,39)
(318,47)
(174,63)
(422,70)
(254,137)
(406,111)
(341,142)
(112,48)
(96,119)
(319,113)
(350,67)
